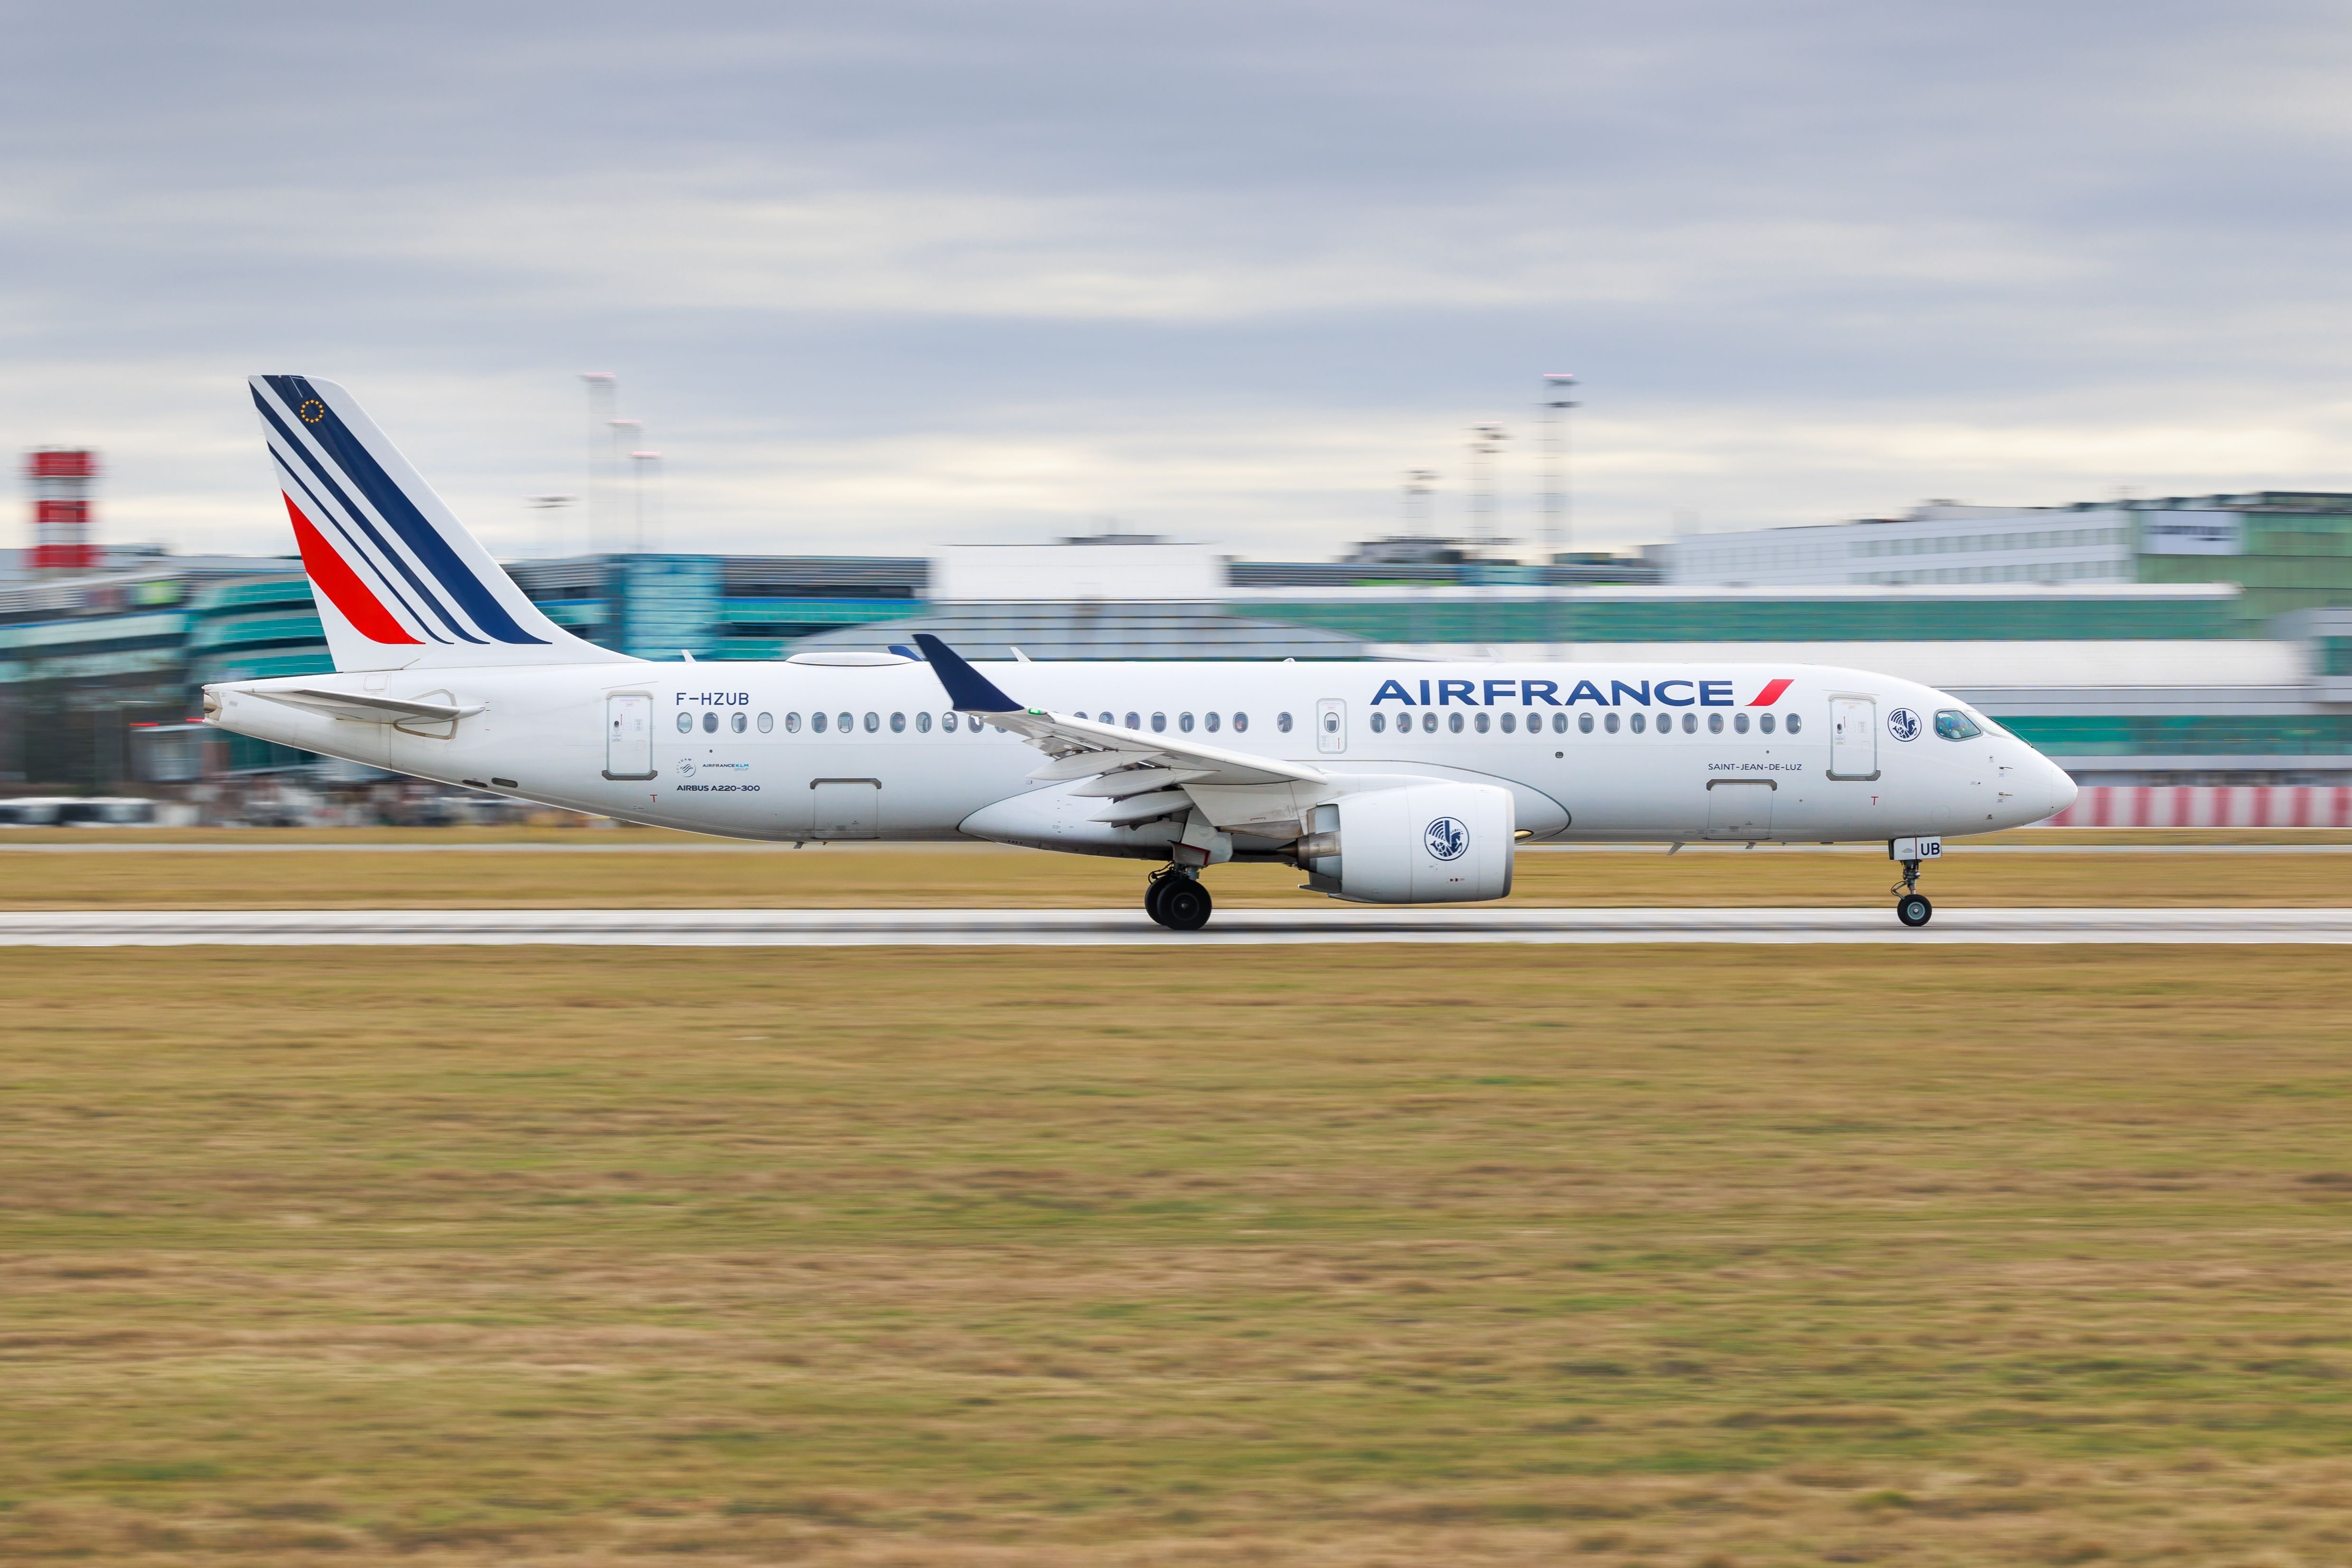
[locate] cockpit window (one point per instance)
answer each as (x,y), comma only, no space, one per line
(1953,724)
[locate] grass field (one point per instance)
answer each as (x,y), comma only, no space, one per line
(853,876)
(1344,1255)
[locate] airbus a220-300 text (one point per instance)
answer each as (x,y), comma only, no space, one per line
(1384,782)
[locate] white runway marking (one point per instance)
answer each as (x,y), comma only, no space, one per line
(1098,927)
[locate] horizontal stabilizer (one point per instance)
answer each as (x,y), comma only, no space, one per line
(365,709)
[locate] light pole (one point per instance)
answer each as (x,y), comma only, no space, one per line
(1419,483)
(626,434)
(1558,385)
(603,391)
(554,505)
(1486,441)
(638,463)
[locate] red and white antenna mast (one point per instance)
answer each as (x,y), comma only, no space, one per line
(60,478)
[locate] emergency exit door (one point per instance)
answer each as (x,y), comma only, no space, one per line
(1853,737)
(629,735)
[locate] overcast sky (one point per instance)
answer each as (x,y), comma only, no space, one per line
(883,276)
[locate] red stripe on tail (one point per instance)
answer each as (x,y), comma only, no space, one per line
(341,585)
(1771,693)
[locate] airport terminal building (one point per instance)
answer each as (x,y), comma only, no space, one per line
(2122,681)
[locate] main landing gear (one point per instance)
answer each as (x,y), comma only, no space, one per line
(1912,907)
(1175,898)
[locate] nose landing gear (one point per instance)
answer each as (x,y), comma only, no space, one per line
(1175,898)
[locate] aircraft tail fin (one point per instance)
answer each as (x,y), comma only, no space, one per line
(399,582)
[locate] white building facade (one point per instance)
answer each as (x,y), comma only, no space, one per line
(1943,543)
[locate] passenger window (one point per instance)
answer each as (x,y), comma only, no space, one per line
(767,723)
(1159,723)
(1282,722)
(1211,722)
(1483,721)
(1511,722)
(710,724)
(816,722)
(1429,723)
(1559,722)
(1134,721)
(1953,724)
(1796,723)
(1609,724)
(1184,722)
(791,724)
(873,722)
(1240,724)
(1690,723)
(1714,724)
(1584,724)
(1453,721)
(1380,721)
(1103,718)
(1639,721)
(738,721)
(1765,724)
(686,724)
(922,724)
(1739,722)
(948,722)
(897,724)
(848,723)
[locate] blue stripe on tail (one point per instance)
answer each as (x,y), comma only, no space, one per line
(295,444)
(393,505)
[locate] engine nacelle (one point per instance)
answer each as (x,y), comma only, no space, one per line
(1422,843)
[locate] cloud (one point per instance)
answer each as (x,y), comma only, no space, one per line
(926,272)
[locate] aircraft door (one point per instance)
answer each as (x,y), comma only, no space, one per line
(1331,726)
(846,808)
(1739,807)
(628,735)
(1853,737)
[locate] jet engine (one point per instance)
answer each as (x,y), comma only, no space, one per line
(1420,843)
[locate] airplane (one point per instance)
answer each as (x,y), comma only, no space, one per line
(1383,781)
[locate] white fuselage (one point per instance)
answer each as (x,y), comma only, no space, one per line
(1618,751)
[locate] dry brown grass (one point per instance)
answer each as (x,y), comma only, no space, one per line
(865,877)
(1344,1255)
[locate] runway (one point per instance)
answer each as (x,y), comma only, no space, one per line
(1100,927)
(1953,849)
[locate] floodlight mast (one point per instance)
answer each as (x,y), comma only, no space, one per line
(1557,401)
(603,391)
(1486,444)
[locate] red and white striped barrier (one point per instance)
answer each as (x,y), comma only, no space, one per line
(2208,806)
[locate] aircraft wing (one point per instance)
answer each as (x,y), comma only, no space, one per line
(1144,776)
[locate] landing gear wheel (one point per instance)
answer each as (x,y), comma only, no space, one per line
(1914,910)
(1184,904)
(1151,891)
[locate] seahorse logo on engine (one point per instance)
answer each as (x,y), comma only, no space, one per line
(1446,839)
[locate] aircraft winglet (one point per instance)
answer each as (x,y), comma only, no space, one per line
(967,689)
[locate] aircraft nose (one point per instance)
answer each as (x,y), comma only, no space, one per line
(2058,788)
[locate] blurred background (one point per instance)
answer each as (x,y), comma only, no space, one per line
(1999,350)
